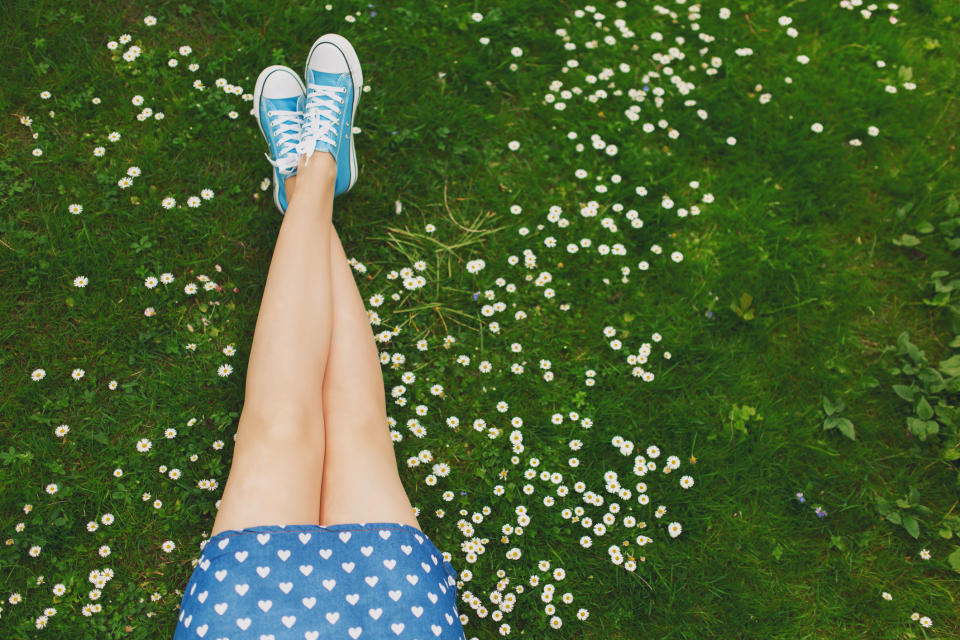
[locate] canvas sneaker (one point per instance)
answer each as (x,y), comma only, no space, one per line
(334,83)
(278,103)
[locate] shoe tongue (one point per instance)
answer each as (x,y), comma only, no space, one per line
(325,78)
(284,104)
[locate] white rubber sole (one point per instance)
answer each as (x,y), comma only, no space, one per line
(257,92)
(353,62)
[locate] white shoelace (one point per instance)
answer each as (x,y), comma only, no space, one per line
(287,125)
(322,113)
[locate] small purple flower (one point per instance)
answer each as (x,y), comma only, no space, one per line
(709,314)
(476,295)
(819,511)
(800,497)
(463,493)
(646,87)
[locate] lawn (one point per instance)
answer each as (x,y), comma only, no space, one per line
(677,284)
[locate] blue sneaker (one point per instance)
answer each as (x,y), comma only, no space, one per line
(278,102)
(334,83)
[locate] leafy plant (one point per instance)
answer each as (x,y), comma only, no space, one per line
(738,418)
(954,560)
(141,245)
(949,527)
(834,421)
(904,511)
(742,307)
(931,383)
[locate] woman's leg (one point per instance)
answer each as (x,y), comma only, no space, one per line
(277,468)
(361,482)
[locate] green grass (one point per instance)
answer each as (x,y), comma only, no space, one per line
(802,222)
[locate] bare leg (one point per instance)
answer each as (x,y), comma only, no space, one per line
(361,482)
(275,476)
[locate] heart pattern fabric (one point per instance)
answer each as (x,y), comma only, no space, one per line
(355,580)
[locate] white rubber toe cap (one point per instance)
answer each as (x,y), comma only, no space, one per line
(281,82)
(328,56)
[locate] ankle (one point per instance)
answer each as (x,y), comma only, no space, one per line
(321,167)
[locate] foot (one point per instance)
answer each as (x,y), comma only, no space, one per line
(334,81)
(278,102)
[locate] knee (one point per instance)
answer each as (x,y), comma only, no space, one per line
(290,422)
(365,413)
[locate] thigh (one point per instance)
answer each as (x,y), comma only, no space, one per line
(276,473)
(361,482)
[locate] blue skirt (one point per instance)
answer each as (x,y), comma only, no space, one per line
(305,581)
